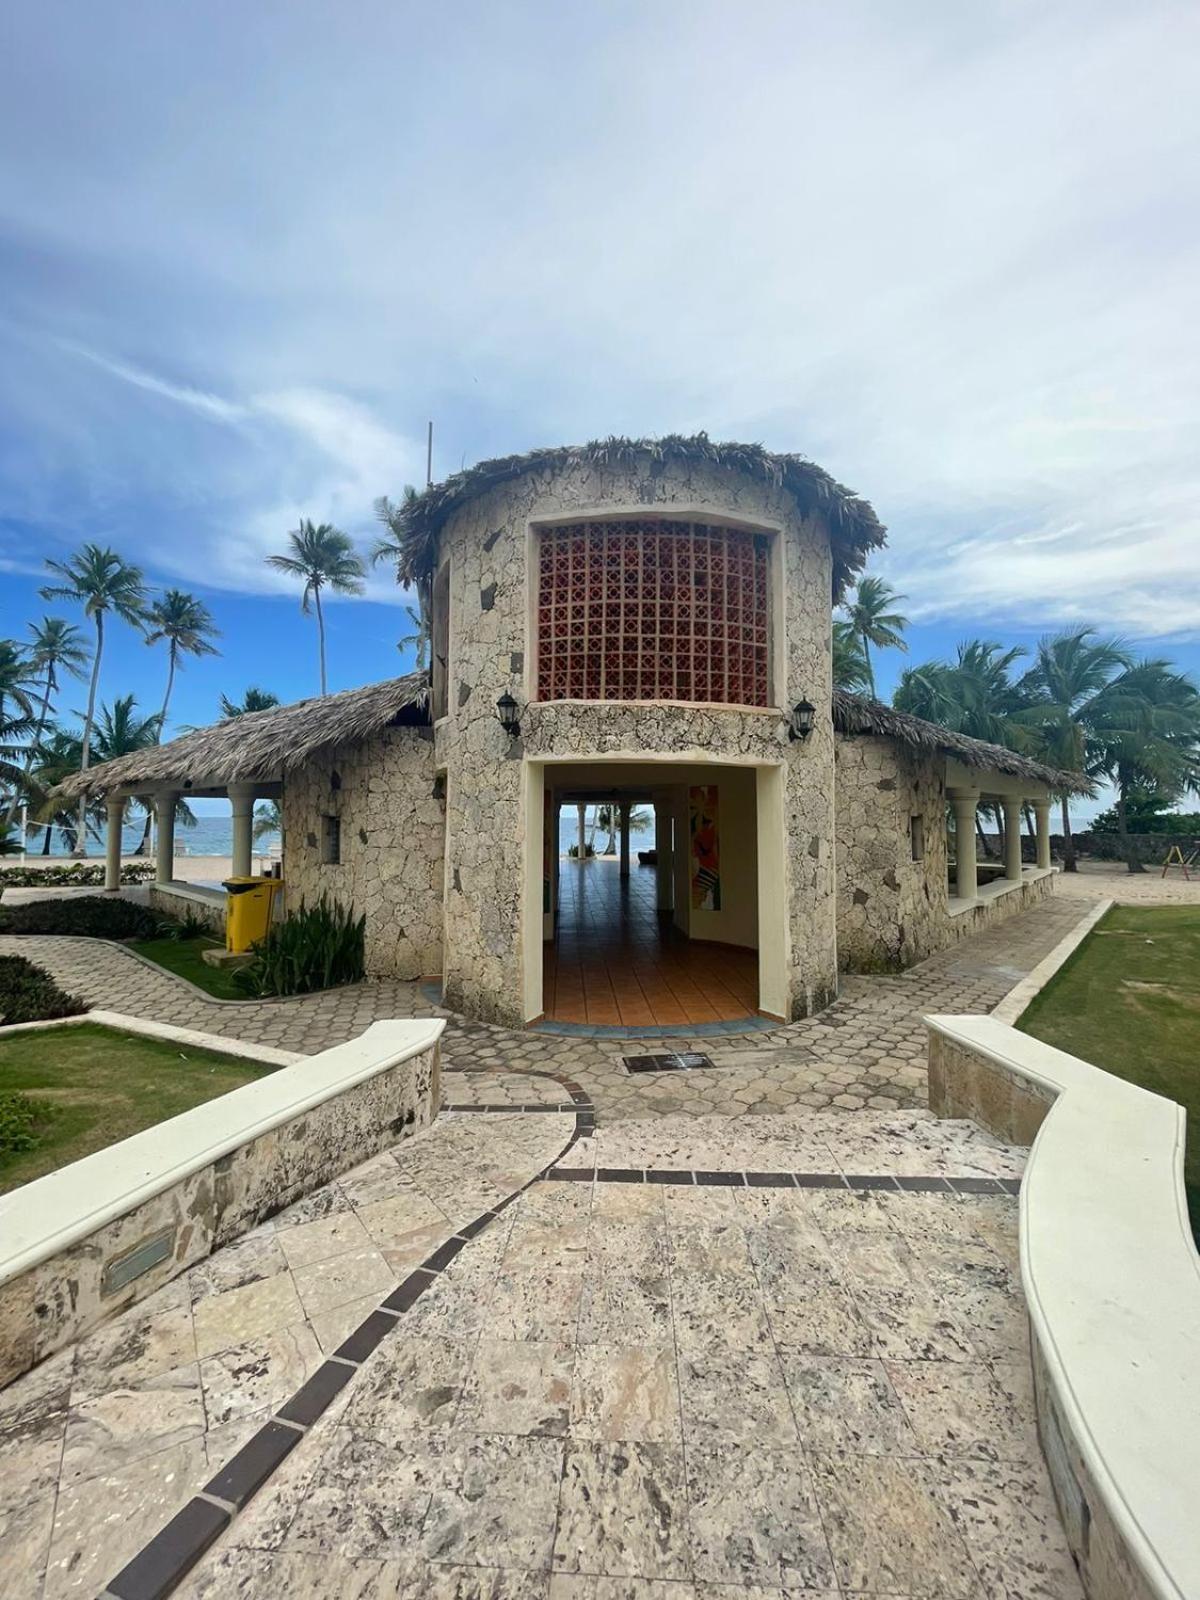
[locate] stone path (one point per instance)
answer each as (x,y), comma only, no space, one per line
(867,1051)
(705,1389)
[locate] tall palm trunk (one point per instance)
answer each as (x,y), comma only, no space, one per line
(144,842)
(80,847)
(1132,864)
(33,748)
(867,663)
(320,632)
(1068,842)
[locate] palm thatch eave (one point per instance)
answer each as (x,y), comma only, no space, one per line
(854,528)
(260,745)
(852,714)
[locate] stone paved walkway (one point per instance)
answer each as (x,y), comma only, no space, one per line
(867,1051)
(617,1391)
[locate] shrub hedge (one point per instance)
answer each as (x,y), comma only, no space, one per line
(79,874)
(93,916)
(29,994)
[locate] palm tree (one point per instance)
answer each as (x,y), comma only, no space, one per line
(16,711)
(1070,672)
(321,556)
(254,699)
(187,626)
(871,618)
(1147,730)
(850,670)
(55,644)
(56,757)
(100,581)
(390,547)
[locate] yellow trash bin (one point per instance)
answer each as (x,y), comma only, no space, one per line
(248,905)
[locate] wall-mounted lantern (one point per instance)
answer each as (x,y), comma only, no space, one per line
(507,711)
(800,721)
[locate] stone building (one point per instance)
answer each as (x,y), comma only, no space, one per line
(644,625)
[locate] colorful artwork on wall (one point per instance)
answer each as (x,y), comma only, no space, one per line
(704,828)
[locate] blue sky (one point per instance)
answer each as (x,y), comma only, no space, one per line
(949,252)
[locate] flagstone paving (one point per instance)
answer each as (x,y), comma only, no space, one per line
(867,1051)
(619,1390)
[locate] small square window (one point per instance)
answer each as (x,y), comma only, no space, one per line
(916,837)
(331,841)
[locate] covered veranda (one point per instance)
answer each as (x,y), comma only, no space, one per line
(967,789)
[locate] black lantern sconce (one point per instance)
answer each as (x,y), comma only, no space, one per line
(800,722)
(507,711)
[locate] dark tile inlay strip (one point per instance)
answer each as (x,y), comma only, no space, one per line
(254,1463)
(162,1565)
(861,1182)
(171,1554)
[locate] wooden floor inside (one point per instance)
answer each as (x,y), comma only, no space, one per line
(615,961)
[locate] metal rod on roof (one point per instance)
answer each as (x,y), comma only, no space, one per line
(429,456)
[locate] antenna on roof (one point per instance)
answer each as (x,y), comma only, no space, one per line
(429,456)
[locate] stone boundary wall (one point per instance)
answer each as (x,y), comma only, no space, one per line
(391,809)
(93,1238)
(994,908)
(891,910)
(1112,1279)
(182,901)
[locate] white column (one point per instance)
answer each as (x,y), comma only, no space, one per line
(241,799)
(164,816)
(1041,813)
(582,810)
(1012,837)
(964,802)
(665,870)
(112,843)
(624,819)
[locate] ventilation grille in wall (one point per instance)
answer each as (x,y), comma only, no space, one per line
(653,610)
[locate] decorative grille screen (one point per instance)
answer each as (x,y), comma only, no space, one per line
(653,610)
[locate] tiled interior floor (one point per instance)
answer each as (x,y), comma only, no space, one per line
(614,961)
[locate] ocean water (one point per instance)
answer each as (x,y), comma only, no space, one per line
(213,836)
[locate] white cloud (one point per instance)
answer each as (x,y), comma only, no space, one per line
(950,252)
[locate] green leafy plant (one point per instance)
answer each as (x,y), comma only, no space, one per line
(192,927)
(22,1121)
(29,994)
(317,947)
(93,916)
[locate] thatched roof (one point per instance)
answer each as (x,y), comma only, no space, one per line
(854,528)
(262,744)
(851,715)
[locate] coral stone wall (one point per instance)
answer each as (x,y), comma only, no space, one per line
(891,910)
(389,802)
(488,544)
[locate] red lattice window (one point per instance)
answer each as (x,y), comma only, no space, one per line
(652,610)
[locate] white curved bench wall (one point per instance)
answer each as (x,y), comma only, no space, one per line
(1112,1278)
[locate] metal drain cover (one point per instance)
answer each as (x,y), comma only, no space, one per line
(672,1061)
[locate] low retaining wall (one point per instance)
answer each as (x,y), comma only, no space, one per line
(85,1242)
(997,902)
(1112,1279)
(183,900)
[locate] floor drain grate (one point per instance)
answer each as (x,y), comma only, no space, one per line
(671,1061)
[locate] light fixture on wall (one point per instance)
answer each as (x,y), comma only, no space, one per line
(507,711)
(800,721)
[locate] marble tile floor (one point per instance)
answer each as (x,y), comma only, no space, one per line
(614,1392)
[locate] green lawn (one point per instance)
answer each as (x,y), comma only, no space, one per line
(182,956)
(103,1086)
(1128,1000)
